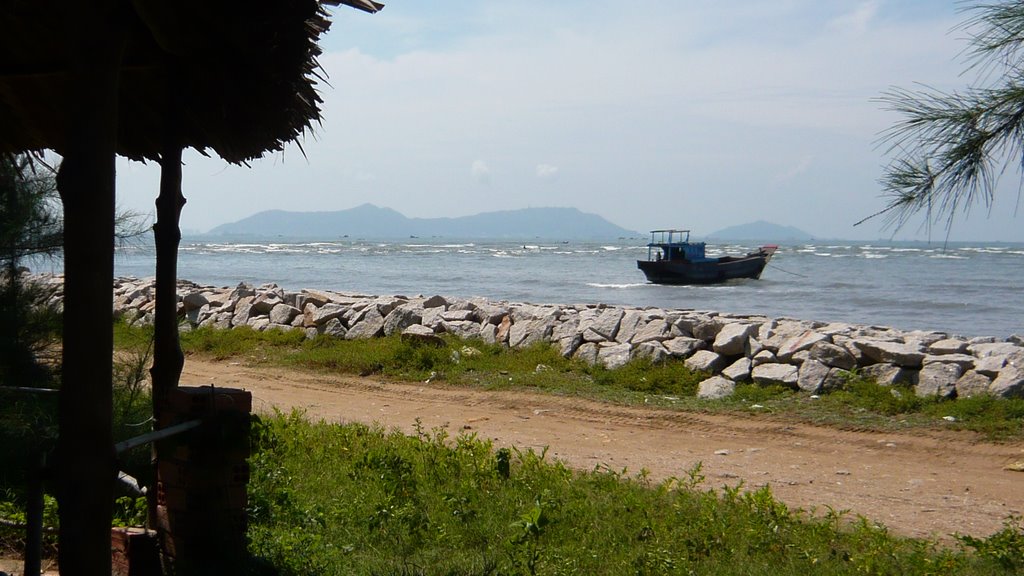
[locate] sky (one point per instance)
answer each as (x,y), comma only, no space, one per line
(694,114)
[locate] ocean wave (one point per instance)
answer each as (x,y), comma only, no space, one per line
(841,285)
(224,247)
(285,249)
(630,285)
(995,250)
(312,246)
(230,250)
(467,245)
(729,286)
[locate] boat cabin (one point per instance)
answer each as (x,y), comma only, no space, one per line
(675,245)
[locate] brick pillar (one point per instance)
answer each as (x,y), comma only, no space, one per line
(133,552)
(202,477)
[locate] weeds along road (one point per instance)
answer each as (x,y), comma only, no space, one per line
(923,484)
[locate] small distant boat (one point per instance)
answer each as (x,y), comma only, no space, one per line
(673,259)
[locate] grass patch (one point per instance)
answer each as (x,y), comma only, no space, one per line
(221,344)
(997,418)
(860,403)
(353,499)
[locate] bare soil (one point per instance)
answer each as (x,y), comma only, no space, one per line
(922,484)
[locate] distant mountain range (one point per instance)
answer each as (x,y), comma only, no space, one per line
(760,230)
(369,221)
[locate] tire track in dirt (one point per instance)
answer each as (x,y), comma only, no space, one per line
(933,483)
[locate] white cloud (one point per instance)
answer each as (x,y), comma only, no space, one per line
(545,171)
(793,171)
(857,21)
(695,105)
(481,171)
(361,175)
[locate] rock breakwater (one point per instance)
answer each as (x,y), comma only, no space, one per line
(807,355)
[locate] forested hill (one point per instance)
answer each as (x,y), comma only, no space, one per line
(371,221)
(760,230)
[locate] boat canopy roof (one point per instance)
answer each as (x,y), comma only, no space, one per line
(670,236)
(674,244)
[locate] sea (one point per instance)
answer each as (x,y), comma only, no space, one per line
(964,289)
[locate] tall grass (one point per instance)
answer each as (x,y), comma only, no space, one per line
(352,499)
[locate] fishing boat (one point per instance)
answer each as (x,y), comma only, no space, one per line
(673,259)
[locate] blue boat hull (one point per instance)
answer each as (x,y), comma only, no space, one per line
(712,271)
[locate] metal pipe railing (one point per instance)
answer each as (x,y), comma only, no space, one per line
(37,469)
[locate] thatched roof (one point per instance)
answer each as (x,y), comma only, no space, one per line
(245,75)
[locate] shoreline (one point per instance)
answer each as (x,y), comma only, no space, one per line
(811,356)
(969,292)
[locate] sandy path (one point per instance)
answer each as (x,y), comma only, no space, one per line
(920,484)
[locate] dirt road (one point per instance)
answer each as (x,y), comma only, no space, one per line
(923,484)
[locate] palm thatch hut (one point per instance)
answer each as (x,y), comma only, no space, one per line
(90,79)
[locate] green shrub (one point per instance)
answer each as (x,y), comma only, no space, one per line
(28,428)
(887,400)
(12,531)
(1005,547)
(242,341)
(999,418)
(643,375)
(747,394)
(352,499)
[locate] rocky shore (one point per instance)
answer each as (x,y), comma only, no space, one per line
(807,355)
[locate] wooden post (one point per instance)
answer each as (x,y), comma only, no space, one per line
(85,456)
(34,514)
(168,358)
